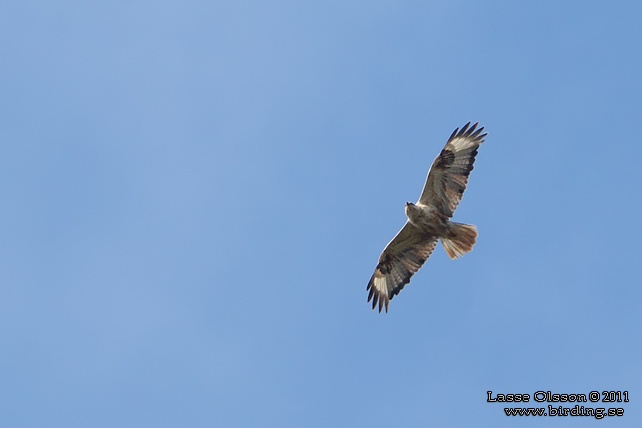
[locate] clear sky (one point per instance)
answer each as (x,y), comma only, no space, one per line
(194,195)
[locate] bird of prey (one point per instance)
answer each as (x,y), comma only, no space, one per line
(429,219)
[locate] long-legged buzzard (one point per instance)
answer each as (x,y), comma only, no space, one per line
(429,219)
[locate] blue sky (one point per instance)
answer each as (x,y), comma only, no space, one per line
(195,194)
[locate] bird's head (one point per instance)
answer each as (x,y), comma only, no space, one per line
(409,206)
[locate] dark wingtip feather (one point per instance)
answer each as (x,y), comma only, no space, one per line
(465,128)
(377,299)
(465,131)
(469,131)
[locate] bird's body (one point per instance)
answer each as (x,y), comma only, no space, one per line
(429,219)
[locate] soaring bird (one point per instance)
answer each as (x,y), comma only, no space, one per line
(429,219)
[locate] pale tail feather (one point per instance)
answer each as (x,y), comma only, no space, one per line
(462,240)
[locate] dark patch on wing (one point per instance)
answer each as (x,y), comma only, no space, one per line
(445,158)
(385,264)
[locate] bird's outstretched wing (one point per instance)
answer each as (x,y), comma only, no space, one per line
(400,260)
(448,175)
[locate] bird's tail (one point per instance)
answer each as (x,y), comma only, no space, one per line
(461,240)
